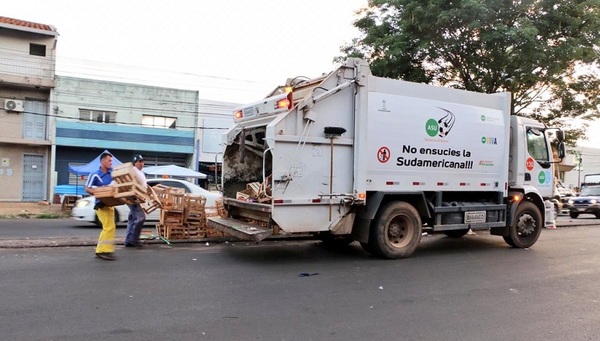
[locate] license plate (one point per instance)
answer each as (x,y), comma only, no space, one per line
(475,217)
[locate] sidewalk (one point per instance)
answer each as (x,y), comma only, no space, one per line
(31,209)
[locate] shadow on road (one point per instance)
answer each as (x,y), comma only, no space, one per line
(280,252)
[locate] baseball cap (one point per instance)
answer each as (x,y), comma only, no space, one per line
(137,158)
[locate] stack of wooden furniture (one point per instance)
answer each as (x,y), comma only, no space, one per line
(172,201)
(183,215)
(195,216)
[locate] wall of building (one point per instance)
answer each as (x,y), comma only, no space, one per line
(11,169)
(11,129)
(590,164)
(17,66)
(79,141)
(26,137)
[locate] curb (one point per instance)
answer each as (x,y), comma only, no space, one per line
(26,243)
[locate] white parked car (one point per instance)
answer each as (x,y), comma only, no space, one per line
(84,208)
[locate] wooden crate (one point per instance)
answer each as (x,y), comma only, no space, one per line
(251,193)
(175,232)
(176,202)
(106,195)
(194,231)
(170,231)
(245,195)
(171,217)
(131,192)
(124,173)
(195,203)
(172,199)
(104,192)
(221,211)
(153,202)
(151,206)
(110,201)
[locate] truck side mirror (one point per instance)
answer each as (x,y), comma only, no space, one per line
(561,149)
(560,135)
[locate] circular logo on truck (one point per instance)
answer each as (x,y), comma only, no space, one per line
(383,154)
(542,177)
(432,127)
(529,164)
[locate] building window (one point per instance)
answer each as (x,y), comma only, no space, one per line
(37,50)
(159,121)
(97,116)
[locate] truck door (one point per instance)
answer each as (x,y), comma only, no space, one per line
(538,162)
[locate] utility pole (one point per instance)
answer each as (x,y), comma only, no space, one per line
(579,161)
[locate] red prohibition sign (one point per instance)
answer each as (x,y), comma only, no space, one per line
(383,154)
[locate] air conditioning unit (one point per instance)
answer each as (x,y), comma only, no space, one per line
(13,105)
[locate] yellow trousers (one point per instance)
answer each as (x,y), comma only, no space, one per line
(106,240)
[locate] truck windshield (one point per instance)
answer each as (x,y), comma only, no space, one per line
(536,145)
(591,179)
(590,191)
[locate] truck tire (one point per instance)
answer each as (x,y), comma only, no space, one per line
(396,231)
(573,214)
(456,233)
(526,227)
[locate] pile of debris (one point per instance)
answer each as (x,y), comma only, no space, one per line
(256,192)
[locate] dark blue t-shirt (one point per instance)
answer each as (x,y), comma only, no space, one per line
(99,179)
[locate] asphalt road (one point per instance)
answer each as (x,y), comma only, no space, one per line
(69,232)
(474,288)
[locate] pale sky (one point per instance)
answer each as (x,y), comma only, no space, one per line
(229,50)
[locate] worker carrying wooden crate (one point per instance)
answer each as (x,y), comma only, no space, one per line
(137,216)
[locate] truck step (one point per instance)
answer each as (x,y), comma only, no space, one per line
(239,229)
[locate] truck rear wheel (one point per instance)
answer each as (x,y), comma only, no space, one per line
(396,231)
(526,227)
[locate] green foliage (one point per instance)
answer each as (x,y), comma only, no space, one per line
(545,52)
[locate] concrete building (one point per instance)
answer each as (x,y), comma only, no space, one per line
(27,67)
(163,124)
(585,161)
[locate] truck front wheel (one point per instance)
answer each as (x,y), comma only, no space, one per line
(526,227)
(396,231)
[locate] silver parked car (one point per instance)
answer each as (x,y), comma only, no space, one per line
(84,208)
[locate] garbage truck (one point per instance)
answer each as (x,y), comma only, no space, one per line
(349,156)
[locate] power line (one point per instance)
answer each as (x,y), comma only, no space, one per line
(96,69)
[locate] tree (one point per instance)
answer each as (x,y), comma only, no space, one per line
(545,52)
